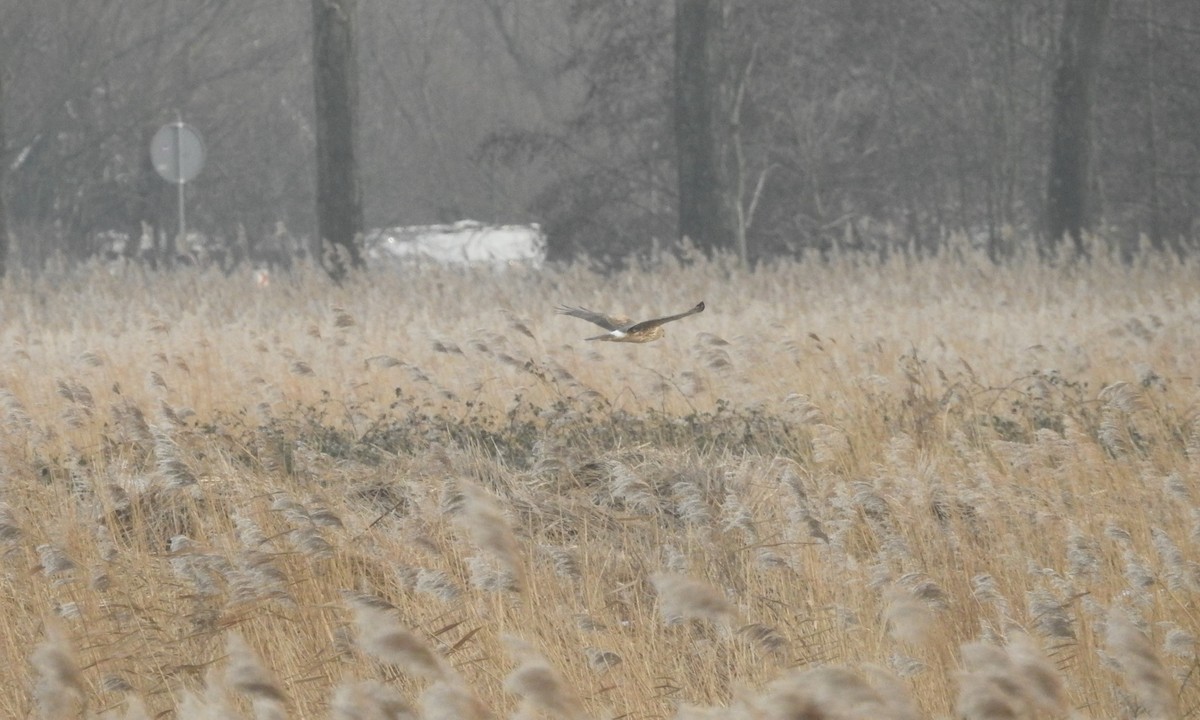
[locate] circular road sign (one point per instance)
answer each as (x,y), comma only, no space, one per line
(177,152)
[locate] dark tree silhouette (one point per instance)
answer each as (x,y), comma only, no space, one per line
(335,84)
(1070,140)
(3,164)
(701,200)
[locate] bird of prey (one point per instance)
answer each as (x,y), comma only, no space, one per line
(622,329)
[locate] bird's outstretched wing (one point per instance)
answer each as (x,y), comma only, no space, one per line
(649,324)
(608,322)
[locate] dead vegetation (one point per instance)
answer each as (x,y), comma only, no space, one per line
(916,489)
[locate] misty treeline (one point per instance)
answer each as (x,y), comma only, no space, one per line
(872,124)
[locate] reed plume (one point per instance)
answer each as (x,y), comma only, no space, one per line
(58,689)
(247,675)
(381,636)
(681,598)
(1144,671)
(540,686)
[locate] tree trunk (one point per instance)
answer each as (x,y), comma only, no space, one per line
(1154,199)
(3,166)
(701,200)
(335,84)
(1072,97)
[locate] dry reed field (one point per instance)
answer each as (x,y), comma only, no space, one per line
(903,489)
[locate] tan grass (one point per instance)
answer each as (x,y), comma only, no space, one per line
(909,489)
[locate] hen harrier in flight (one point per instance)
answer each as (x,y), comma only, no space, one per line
(622,329)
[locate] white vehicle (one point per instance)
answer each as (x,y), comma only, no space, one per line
(466,242)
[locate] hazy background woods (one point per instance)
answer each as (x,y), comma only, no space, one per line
(872,123)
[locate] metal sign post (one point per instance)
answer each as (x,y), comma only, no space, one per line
(177,151)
